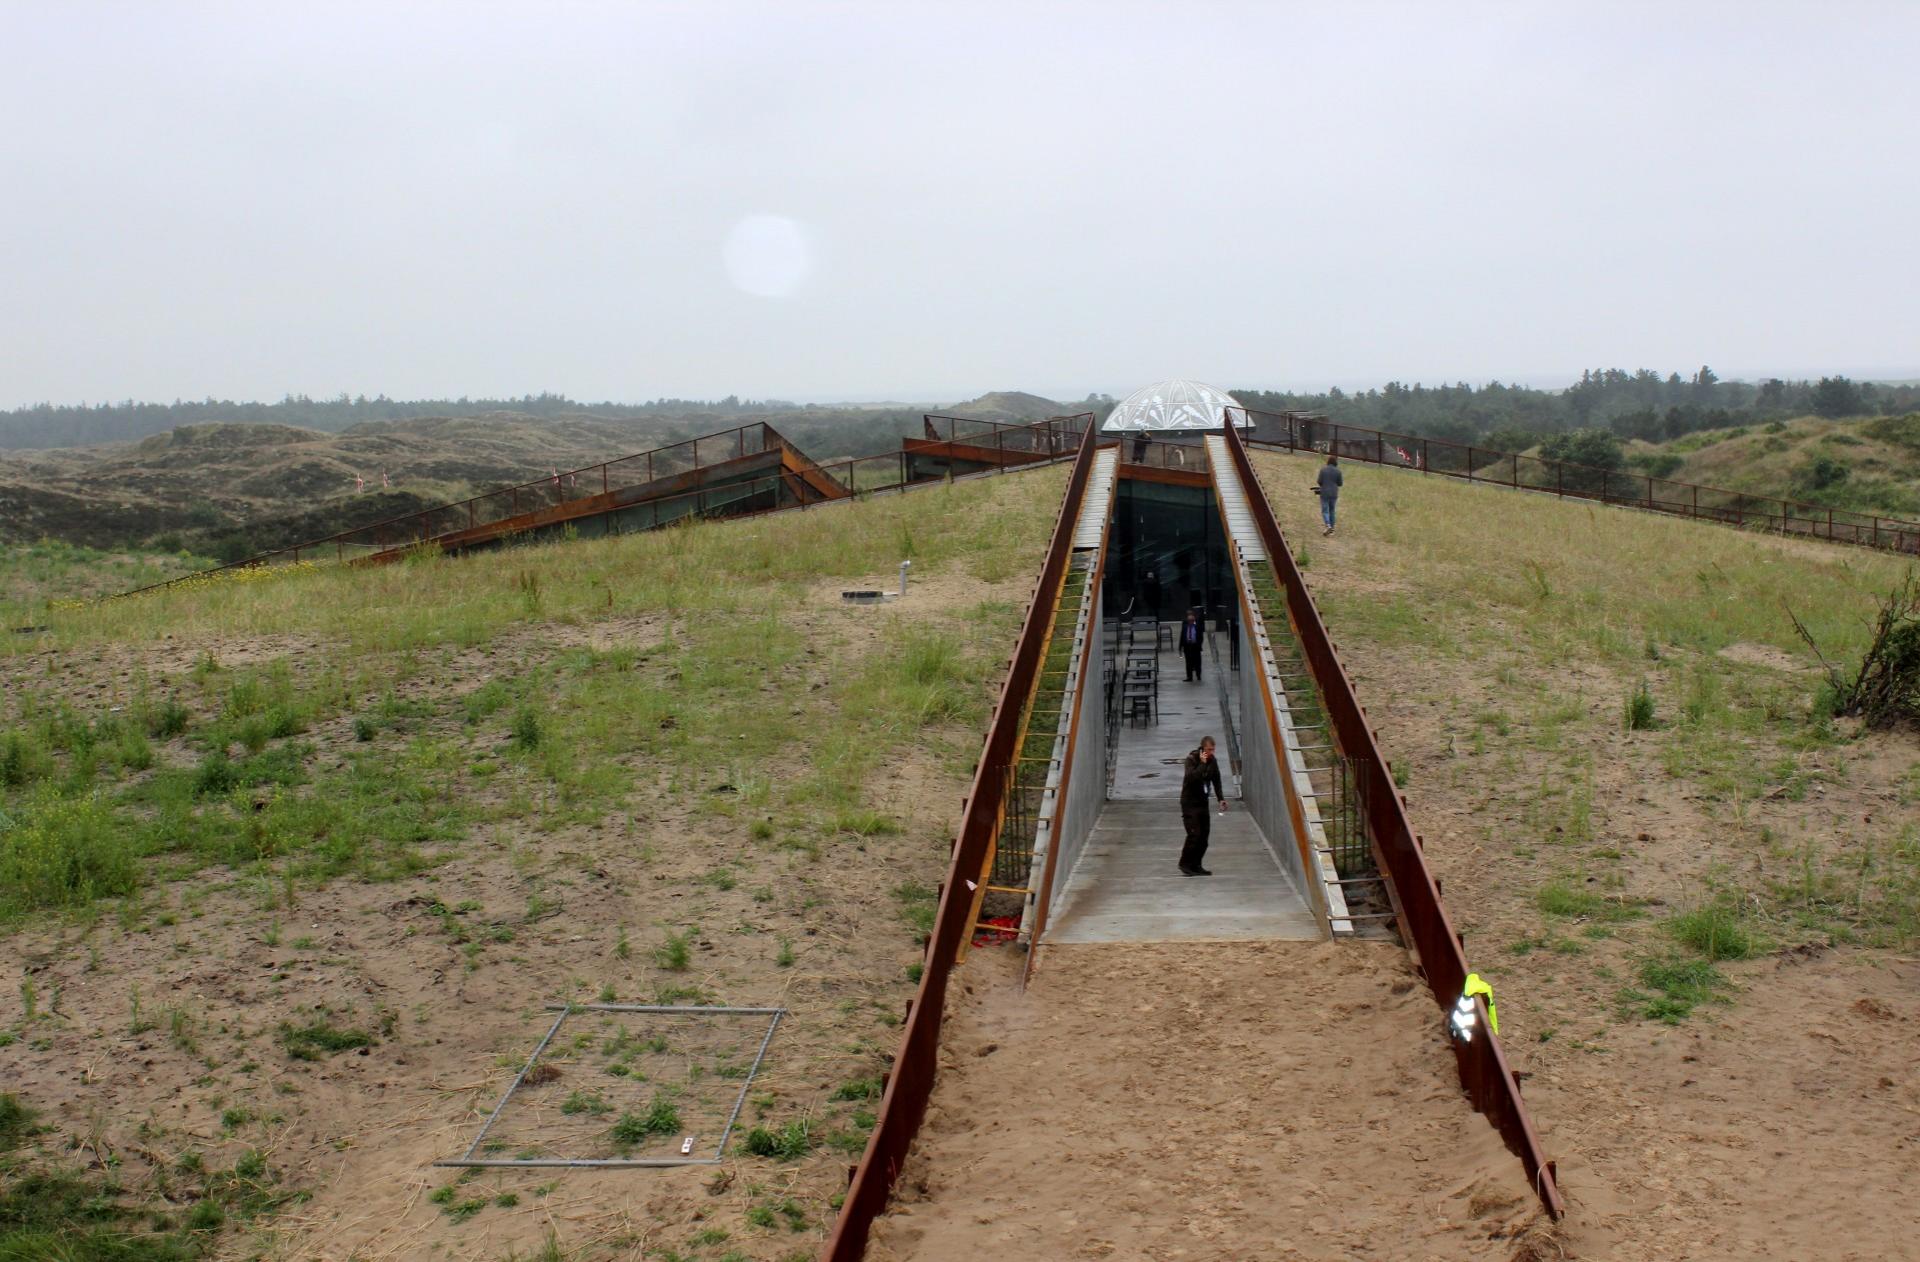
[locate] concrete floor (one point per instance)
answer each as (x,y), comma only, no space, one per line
(1127,886)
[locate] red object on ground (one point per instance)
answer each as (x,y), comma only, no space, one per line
(1010,923)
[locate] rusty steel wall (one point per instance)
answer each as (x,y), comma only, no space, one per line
(1437,950)
(909,1083)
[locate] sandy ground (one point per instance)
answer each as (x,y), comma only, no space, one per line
(1204,1101)
(1786,1127)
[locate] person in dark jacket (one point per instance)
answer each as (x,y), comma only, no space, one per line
(1192,640)
(1328,489)
(1202,771)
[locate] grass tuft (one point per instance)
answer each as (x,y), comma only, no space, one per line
(320,1039)
(1716,931)
(661,1118)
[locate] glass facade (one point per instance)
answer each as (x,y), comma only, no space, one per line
(1166,555)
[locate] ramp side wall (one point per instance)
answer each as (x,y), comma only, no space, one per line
(1261,784)
(1086,778)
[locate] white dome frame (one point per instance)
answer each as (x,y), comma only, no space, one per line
(1173,404)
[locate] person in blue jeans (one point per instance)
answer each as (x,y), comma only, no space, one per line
(1328,489)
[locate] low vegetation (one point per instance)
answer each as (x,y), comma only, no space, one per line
(257,836)
(1632,709)
(1883,689)
(1860,465)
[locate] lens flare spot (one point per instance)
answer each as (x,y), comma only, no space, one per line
(767,255)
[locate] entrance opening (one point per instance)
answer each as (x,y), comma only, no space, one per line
(1167,555)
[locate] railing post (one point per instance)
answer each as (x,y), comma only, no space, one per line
(1603,488)
(1559,479)
(1649,490)
(1425,462)
(1696,499)
(1515,480)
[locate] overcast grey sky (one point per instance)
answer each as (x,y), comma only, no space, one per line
(924,201)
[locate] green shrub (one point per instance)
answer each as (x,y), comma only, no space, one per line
(1659,464)
(1824,472)
(16,1122)
(23,759)
(168,721)
(65,852)
(1593,450)
(661,1118)
(675,953)
(1640,715)
(246,696)
(1901,431)
(285,720)
(216,775)
(133,751)
(526,728)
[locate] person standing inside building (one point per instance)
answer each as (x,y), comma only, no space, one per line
(1202,772)
(1192,640)
(1328,488)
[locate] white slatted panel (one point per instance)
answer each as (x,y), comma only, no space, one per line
(1092,524)
(1233,500)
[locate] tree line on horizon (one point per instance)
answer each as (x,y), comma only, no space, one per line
(1640,404)
(1626,405)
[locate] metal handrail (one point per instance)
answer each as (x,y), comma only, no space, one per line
(1415,895)
(1569,479)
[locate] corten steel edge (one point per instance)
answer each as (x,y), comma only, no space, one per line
(1570,480)
(1437,949)
(909,1083)
(413,529)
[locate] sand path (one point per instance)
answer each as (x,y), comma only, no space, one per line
(1203,1101)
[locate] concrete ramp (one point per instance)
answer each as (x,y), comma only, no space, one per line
(1126,885)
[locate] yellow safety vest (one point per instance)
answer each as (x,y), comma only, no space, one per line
(1476,986)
